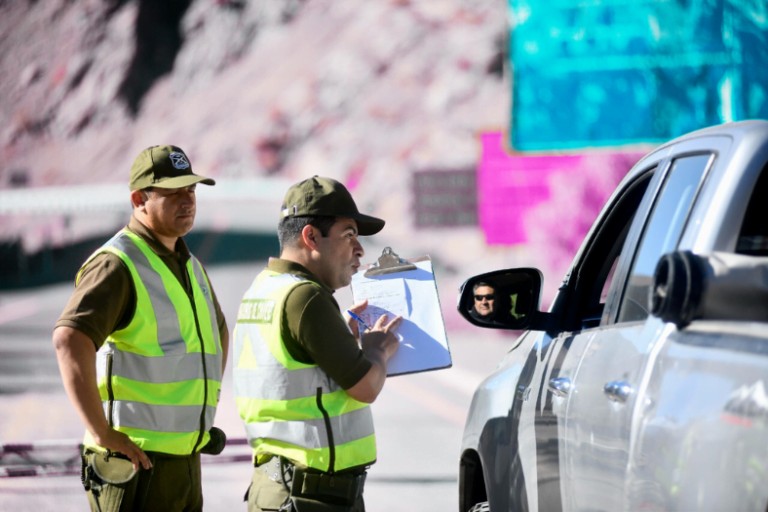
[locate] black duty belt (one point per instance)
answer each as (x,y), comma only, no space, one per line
(310,483)
(150,454)
(341,488)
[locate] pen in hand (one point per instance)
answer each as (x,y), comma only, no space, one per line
(359,320)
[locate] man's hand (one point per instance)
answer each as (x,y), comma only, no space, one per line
(379,344)
(354,324)
(381,341)
(121,443)
(76,354)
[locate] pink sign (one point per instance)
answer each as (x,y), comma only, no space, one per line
(512,188)
(509,186)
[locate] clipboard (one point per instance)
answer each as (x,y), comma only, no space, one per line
(406,287)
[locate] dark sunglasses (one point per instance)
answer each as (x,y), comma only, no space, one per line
(486,297)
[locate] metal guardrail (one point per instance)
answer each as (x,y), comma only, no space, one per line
(106,197)
(68,463)
(42,218)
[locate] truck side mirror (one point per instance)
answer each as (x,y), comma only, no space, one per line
(503,299)
(714,286)
(677,287)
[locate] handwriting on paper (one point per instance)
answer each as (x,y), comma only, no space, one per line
(384,297)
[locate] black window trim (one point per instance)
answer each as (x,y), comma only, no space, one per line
(655,170)
(573,290)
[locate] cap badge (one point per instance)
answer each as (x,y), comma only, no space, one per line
(178,160)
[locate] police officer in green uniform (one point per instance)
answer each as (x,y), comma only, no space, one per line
(304,375)
(142,346)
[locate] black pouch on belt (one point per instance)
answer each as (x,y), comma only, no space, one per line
(108,478)
(217,442)
(321,492)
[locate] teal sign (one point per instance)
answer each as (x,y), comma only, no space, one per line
(616,72)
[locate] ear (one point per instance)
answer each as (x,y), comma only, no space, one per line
(309,236)
(138,199)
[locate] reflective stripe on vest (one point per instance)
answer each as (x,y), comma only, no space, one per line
(291,408)
(159,377)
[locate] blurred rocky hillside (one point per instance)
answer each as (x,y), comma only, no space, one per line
(366,92)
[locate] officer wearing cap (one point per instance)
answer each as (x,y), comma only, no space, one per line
(142,345)
(303,382)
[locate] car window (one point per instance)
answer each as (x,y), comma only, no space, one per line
(753,237)
(609,280)
(595,271)
(662,232)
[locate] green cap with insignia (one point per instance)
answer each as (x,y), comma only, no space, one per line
(327,198)
(164,167)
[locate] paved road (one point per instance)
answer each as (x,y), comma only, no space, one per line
(419,418)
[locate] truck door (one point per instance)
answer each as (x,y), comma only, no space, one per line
(603,384)
(554,359)
(699,443)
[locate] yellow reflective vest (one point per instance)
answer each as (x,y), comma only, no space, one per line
(291,408)
(159,377)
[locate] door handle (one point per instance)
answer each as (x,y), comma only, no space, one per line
(561,386)
(618,391)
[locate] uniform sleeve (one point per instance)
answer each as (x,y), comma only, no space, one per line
(103,301)
(316,325)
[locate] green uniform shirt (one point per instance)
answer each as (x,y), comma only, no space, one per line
(314,333)
(104,300)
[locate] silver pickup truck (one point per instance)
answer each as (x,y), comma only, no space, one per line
(643,386)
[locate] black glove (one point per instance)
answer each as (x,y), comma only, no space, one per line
(217,442)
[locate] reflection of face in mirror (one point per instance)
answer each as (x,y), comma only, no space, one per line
(484,302)
(502,299)
(485,299)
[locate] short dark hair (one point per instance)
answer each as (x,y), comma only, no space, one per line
(484,283)
(289,228)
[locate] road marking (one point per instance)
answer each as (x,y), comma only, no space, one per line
(26,381)
(413,479)
(430,401)
(463,381)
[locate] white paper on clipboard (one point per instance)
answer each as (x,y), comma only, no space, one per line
(413,295)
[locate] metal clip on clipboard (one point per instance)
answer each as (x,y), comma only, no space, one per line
(389,263)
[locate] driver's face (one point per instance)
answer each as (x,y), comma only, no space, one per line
(484,300)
